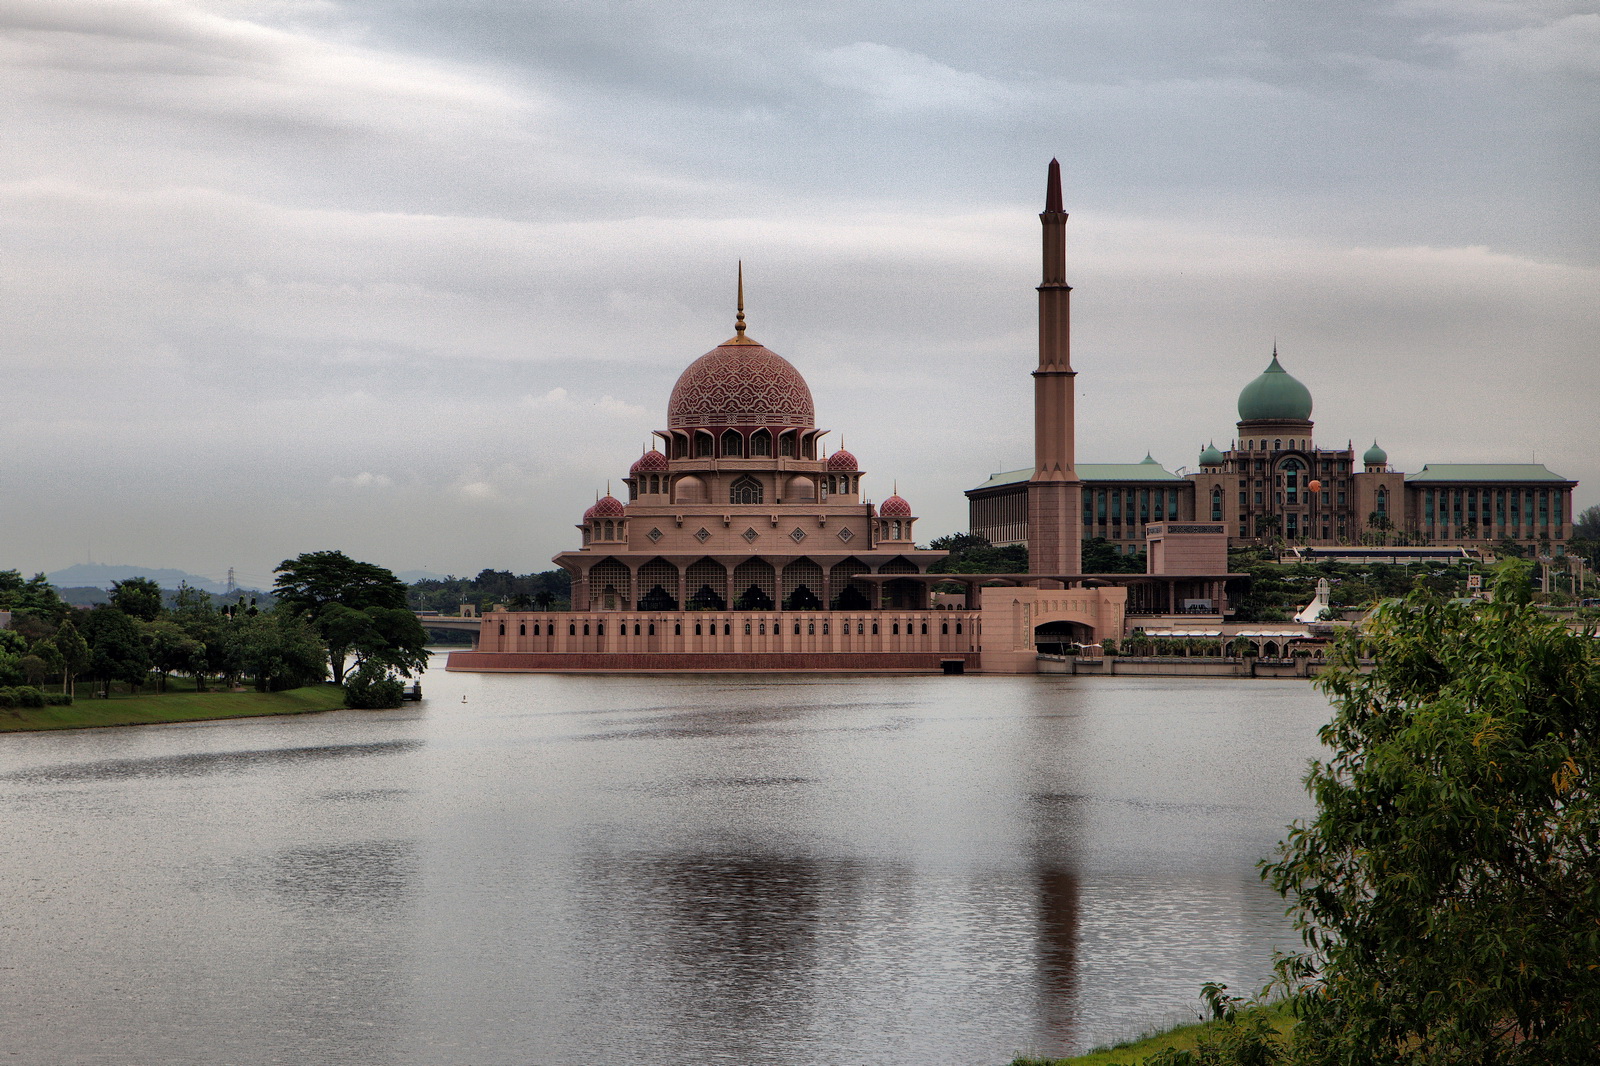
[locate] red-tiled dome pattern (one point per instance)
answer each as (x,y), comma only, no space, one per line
(842,460)
(651,462)
(607,506)
(740,385)
(894,507)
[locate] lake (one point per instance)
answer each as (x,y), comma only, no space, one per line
(650,869)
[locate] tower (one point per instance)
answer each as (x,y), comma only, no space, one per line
(1055,534)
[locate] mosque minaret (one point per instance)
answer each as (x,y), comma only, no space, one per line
(1054,492)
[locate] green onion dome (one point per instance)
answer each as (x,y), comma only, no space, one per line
(1211,457)
(1274,397)
(1375,456)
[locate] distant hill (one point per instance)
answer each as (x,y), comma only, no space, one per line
(411,577)
(101,575)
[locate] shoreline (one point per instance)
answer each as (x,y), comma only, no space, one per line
(167,708)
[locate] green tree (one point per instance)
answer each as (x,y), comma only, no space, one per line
(1587,525)
(172,650)
(116,649)
(137,597)
(74,652)
(1448,887)
(332,590)
(34,597)
(280,650)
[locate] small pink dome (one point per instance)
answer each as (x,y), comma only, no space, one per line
(651,462)
(895,507)
(842,460)
(608,506)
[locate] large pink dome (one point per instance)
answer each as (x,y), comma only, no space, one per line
(740,384)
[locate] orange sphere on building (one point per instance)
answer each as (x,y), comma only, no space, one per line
(1315,486)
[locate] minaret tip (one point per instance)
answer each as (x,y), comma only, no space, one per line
(738,321)
(1052,194)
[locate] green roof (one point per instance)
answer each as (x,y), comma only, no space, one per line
(1485,472)
(1145,471)
(1274,396)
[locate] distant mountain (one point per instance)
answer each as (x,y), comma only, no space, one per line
(101,575)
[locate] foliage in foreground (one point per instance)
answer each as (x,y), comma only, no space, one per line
(1449,886)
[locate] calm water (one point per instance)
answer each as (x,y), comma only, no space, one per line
(638,870)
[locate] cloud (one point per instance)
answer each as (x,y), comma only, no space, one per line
(363,480)
(898,80)
(1569,45)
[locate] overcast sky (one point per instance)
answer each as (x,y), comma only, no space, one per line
(413,278)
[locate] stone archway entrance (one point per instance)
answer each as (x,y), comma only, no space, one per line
(1060,637)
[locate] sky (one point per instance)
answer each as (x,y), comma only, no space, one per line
(412,279)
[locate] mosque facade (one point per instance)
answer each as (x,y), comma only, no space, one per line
(744,544)
(1275,482)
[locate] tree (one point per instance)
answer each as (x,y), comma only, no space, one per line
(116,649)
(34,597)
(172,650)
(74,652)
(280,650)
(1448,887)
(356,607)
(137,597)
(1587,525)
(371,687)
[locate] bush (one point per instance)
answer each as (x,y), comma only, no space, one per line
(21,696)
(371,688)
(1448,887)
(57,699)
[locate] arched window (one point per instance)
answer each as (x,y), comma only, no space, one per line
(874,629)
(747,628)
(796,629)
(958,629)
(732,445)
(536,629)
(1383,500)
(944,628)
(761,444)
(522,629)
(586,629)
(763,629)
(572,629)
(502,629)
(860,629)
(824,629)
(635,629)
(727,628)
(697,629)
(897,629)
(655,483)
(600,629)
(652,630)
(702,445)
(786,445)
(924,629)
(745,489)
(1216,505)
(677,629)
(1277,445)
(610,531)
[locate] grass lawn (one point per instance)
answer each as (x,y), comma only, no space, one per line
(170,707)
(1183,1038)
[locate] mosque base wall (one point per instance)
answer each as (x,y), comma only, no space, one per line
(709,662)
(869,641)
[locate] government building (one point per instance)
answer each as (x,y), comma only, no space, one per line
(1276,483)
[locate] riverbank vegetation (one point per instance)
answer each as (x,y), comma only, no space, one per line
(1448,886)
(172,706)
(333,617)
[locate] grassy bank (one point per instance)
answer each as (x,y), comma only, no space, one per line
(1134,1052)
(170,707)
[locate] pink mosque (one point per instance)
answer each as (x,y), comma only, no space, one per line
(743,546)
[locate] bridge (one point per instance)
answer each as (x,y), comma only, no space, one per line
(435,620)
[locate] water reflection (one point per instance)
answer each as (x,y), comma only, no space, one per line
(819,870)
(194,764)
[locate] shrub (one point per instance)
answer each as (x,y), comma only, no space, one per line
(21,696)
(371,688)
